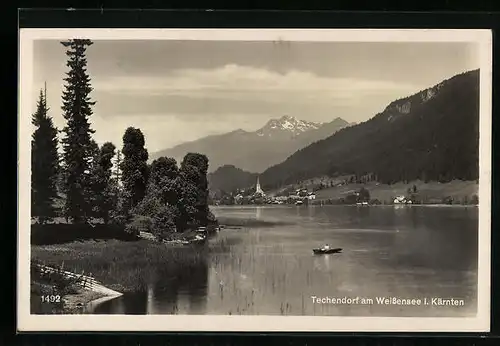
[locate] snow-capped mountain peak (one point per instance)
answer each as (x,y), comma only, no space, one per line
(289,124)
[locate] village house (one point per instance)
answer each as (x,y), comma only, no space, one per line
(402,200)
(238,198)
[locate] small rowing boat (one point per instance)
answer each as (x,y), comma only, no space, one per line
(321,251)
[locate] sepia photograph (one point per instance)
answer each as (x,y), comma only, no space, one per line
(254,180)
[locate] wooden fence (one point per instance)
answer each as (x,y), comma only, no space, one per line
(86,281)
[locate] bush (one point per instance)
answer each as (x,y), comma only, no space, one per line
(163,222)
(153,216)
(139,223)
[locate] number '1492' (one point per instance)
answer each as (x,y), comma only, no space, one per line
(51,299)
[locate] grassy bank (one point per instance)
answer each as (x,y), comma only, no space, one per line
(53,293)
(431,192)
(121,266)
(71,303)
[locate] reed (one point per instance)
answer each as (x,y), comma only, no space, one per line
(122,266)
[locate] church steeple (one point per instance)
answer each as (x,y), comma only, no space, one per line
(258,189)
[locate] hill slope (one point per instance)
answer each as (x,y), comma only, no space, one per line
(256,151)
(228,178)
(431,135)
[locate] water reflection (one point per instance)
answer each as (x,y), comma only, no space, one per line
(258,213)
(404,252)
(183,290)
(322,263)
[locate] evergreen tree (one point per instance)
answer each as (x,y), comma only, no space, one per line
(194,168)
(77,144)
(102,187)
(44,162)
(134,169)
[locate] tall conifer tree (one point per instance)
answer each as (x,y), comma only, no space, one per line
(134,169)
(77,144)
(44,162)
(194,169)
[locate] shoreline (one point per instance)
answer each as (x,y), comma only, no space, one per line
(253,206)
(101,293)
(88,299)
(91,305)
(78,302)
(141,261)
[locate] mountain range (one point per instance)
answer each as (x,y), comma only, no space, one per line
(258,150)
(431,135)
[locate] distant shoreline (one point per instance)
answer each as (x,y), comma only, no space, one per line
(271,206)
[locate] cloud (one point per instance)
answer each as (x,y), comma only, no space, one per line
(177,91)
(234,89)
(235,79)
(186,104)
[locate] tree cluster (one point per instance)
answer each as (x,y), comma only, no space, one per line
(176,199)
(157,198)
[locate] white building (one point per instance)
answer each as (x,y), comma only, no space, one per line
(258,189)
(402,200)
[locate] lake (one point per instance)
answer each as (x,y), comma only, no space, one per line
(406,252)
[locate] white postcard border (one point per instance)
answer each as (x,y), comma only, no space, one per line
(28,322)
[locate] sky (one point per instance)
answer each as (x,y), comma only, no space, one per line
(179,91)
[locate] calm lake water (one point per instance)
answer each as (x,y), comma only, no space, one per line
(407,252)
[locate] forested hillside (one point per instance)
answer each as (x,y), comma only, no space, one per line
(431,135)
(228,178)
